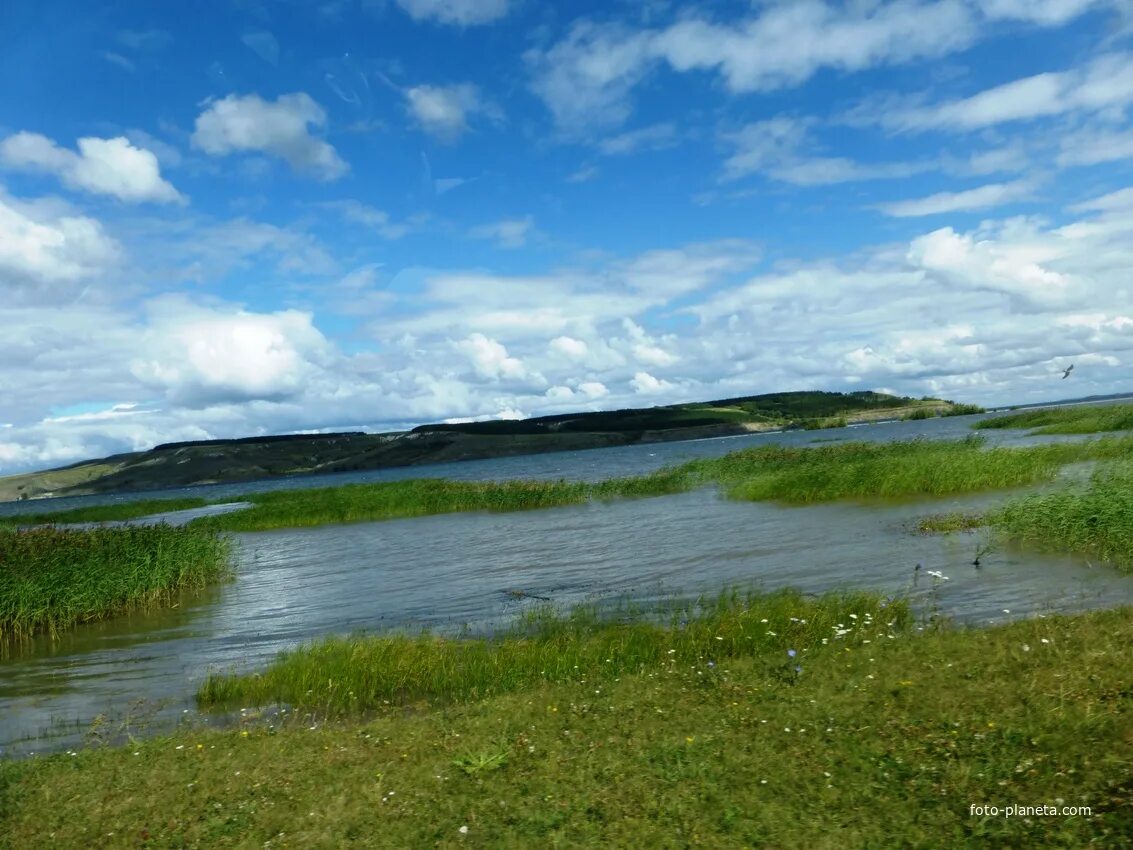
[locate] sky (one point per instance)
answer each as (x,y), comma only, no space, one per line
(277,216)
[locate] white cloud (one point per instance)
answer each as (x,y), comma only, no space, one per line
(102,166)
(462,13)
(246,124)
(645,384)
(198,357)
(1106,82)
(490,359)
(442,111)
(583,174)
(593,389)
(1091,146)
(780,149)
(982,197)
(119,60)
(653,137)
(44,244)
(508,233)
(569,347)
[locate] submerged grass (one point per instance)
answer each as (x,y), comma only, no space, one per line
(889,744)
(1089,419)
(898,469)
(426,496)
(51,579)
(848,470)
(1094,520)
(104,513)
(363,673)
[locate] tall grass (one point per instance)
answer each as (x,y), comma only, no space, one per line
(359,673)
(425,496)
(897,469)
(1094,520)
(104,513)
(51,579)
(1090,419)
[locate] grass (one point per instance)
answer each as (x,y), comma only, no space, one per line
(910,468)
(363,673)
(950,522)
(1088,419)
(52,579)
(882,744)
(1094,520)
(426,496)
(850,470)
(104,513)
(962,410)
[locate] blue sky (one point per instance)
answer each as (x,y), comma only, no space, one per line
(281,215)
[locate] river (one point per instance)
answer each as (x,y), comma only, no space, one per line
(454,571)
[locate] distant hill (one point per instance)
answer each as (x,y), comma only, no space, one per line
(250,458)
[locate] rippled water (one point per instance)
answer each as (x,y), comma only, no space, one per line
(447,572)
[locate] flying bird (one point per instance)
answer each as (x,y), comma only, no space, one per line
(1066,372)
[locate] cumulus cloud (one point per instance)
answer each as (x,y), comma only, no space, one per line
(490,359)
(198,357)
(43,244)
(573,349)
(645,384)
(464,13)
(245,124)
(102,166)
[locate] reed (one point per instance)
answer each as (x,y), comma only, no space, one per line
(361,673)
(52,579)
(425,496)
(1088,419)
(887,470)
(1094,520)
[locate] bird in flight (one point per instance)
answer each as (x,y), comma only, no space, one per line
(1066,372)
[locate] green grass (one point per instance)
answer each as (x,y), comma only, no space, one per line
(51,579)
(362,673)
(1094,520)
(886,744)
(426,496)
(962,410)
(854,470)
(1086,419)
(919,413)
(950,522)
(104,513)
(908,468)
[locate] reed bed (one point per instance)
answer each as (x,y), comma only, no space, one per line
(52,579)
(1094,520)
(104,513)
(1090,419)
(887,470)
(362,673)
(426,496)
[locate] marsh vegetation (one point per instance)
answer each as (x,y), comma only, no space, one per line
(51,578)
(1083,419)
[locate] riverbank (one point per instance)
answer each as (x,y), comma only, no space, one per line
(875,742)
(257,458)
